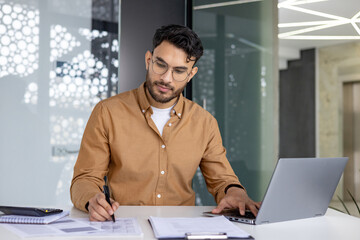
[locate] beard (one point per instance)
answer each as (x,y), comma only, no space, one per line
(162,97)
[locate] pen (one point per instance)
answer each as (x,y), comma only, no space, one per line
(107,195)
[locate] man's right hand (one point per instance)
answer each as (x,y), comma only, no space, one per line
(100,209)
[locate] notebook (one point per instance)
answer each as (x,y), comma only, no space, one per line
(32,219)
(299,188)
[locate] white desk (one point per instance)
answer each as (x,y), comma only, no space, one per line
(333,226)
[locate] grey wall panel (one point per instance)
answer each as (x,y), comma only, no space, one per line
(297,107)
(139,20)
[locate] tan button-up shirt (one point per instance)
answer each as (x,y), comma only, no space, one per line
(143,167)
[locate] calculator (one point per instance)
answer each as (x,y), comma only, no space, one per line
(29,211)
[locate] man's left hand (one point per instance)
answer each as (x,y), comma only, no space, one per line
(237,198)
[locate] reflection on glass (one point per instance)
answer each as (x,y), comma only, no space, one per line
(235,84)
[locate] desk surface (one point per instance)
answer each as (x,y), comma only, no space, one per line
(333,226)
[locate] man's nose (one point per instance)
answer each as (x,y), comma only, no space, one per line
(167,76)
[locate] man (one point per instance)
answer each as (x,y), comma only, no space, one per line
(151,140)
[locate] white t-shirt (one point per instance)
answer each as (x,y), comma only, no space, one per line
(160,117)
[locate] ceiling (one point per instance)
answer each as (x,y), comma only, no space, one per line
(305,24)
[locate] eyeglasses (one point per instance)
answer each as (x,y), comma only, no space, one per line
(161,67)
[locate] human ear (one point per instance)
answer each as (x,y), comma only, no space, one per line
(192,73)
(148,56)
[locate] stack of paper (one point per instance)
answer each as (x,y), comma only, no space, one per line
(123,227)
(178,227)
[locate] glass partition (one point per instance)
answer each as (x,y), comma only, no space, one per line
(237,83)
(58,58)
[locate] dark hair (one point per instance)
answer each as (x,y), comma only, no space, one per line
(182,37)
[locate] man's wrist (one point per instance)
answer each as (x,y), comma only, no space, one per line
(233,185)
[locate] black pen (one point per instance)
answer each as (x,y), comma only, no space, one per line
(107,195)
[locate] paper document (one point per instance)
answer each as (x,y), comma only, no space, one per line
(178,227)
(78,227)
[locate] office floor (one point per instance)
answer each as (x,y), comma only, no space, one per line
(350,206)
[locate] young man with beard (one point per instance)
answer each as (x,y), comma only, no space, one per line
(150,141)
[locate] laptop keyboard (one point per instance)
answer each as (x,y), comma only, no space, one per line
(236,213)
(249,214)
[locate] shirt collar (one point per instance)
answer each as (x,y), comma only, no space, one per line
(145,105)
(178,108)
(142,99)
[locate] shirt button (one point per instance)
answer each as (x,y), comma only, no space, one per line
(159,196)
(179,114)
(173,111)
(163,146)
(162,172)
(143,111)
(170,124)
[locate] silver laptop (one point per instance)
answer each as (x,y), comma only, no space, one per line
(299,188)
